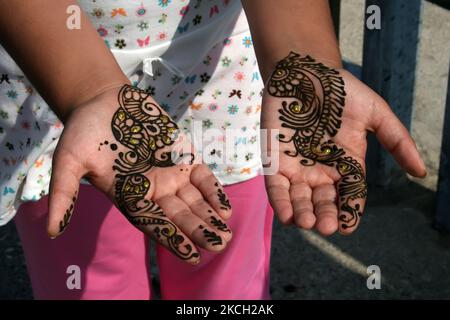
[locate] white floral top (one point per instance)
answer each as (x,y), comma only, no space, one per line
(195,57)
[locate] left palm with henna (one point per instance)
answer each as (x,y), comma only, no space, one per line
(323,116)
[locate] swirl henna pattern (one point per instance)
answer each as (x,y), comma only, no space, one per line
(316,101)
(142,128)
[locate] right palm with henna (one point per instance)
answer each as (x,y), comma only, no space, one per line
(126,149)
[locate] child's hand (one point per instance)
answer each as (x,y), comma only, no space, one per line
(121,141)
(323,116)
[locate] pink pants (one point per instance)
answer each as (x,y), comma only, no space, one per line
(113,256)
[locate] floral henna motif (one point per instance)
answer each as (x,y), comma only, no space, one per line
(316,101)
(142,128)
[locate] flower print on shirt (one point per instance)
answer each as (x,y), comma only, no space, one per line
(12,94)
(213,107)
(207,123)
(102,31)
(197,20)
(226,62)
(142,26)
(239,76)
(204,77)
(164,3)
(247,42)
(98,13)
(229,170)
(141,11)
(150,90)
(162,36)
(120,43)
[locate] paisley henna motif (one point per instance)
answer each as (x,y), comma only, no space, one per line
(315,101)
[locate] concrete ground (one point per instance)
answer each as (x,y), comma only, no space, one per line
(395,233)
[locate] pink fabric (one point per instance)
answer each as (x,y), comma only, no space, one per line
(113,255)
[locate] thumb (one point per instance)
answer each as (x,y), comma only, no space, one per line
(64,185)
(396,139)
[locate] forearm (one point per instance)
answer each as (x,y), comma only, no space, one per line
(303,26)
(66,66)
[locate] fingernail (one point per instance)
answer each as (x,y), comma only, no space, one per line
(52,237)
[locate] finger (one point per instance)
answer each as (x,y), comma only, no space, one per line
(153,222)
(300,194)
(194,199)
(396,139)
(194,227)
(65,181)
(324,200)
(204,180)
(352,194)
(277,187)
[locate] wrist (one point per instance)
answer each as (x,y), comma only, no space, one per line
(89,89)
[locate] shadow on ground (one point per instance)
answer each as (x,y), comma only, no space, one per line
(395,234)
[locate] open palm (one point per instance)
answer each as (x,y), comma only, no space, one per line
(323,116)
(133,152)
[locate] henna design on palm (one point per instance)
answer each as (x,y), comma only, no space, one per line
(142,128)
(316,102)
